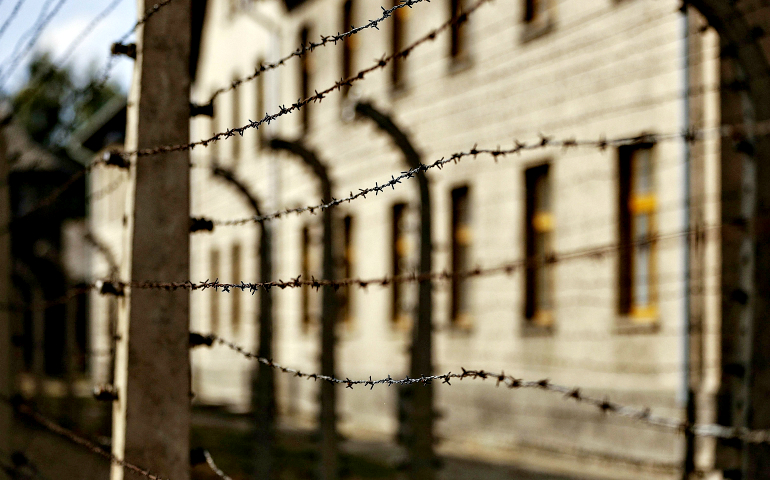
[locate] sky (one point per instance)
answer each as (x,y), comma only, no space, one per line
(69,21)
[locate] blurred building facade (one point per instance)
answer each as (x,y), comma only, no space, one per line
(613,322)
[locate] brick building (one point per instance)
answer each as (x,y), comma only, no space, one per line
(613,323)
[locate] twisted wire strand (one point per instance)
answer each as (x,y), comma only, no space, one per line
(317,97)
(35,35)
(604,404)
(543,142)
(54,427)
(303,49)
(11,16)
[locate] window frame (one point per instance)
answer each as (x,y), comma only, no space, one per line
(460,316)
(632,205)
(539,221)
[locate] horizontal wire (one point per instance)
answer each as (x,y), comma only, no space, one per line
(318,97)
(52,426)
(508,268)
(643,415)
(543,142)
(35,34)
(11,16)
(303,49)
(86,31)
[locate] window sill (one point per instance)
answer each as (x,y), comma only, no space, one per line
(398,90)
(460,64)
(536,30)
(637,326)
(530,329)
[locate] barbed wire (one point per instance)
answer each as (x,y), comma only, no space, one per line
(35,35)
(605,405)
(54,427)
(298,282)
(303,49)
(11,16)
(317,97)
(543,142)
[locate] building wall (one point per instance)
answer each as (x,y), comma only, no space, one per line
(603,69)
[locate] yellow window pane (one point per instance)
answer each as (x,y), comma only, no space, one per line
(542,222)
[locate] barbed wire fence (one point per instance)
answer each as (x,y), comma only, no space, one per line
(643,415)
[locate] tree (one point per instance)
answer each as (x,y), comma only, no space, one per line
(52,105)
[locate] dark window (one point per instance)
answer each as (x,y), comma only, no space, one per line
(539,247)
(235,293)
(235,141)
(306,275)
(214,295)
(304,80)
(637,224)
(461,245)
(398,41)
(259,105)
(458,47)
(348,44)
(399,247)
(348,256)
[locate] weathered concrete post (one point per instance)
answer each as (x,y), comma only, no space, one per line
(420,414)
(5,291)
(263,386)
(328,412)
(151,417)
(745,164)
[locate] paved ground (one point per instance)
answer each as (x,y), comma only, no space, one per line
(227,438)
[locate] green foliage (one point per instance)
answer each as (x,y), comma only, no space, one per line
(52,105)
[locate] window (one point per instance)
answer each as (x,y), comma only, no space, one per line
(214,295)
(348,44)
(345,299)
(637,205)
(539,247)
(398,41)
(458,46)
(214,146)
(400,311)
(309,267)
(538,17)
(259,105)
(304,80)
(235,141)
(461,242)
(235,294)
(305,269)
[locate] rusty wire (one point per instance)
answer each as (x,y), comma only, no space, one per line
(541,143)
(298,282)
(317,97)
(303,49)
(604,404)
(53,427)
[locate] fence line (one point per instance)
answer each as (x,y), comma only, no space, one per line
(87,30)
(35,33)
(601,144)
(318,97)
(54,427)
(303,49)
(643,415)
(11,16)
(117,287)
